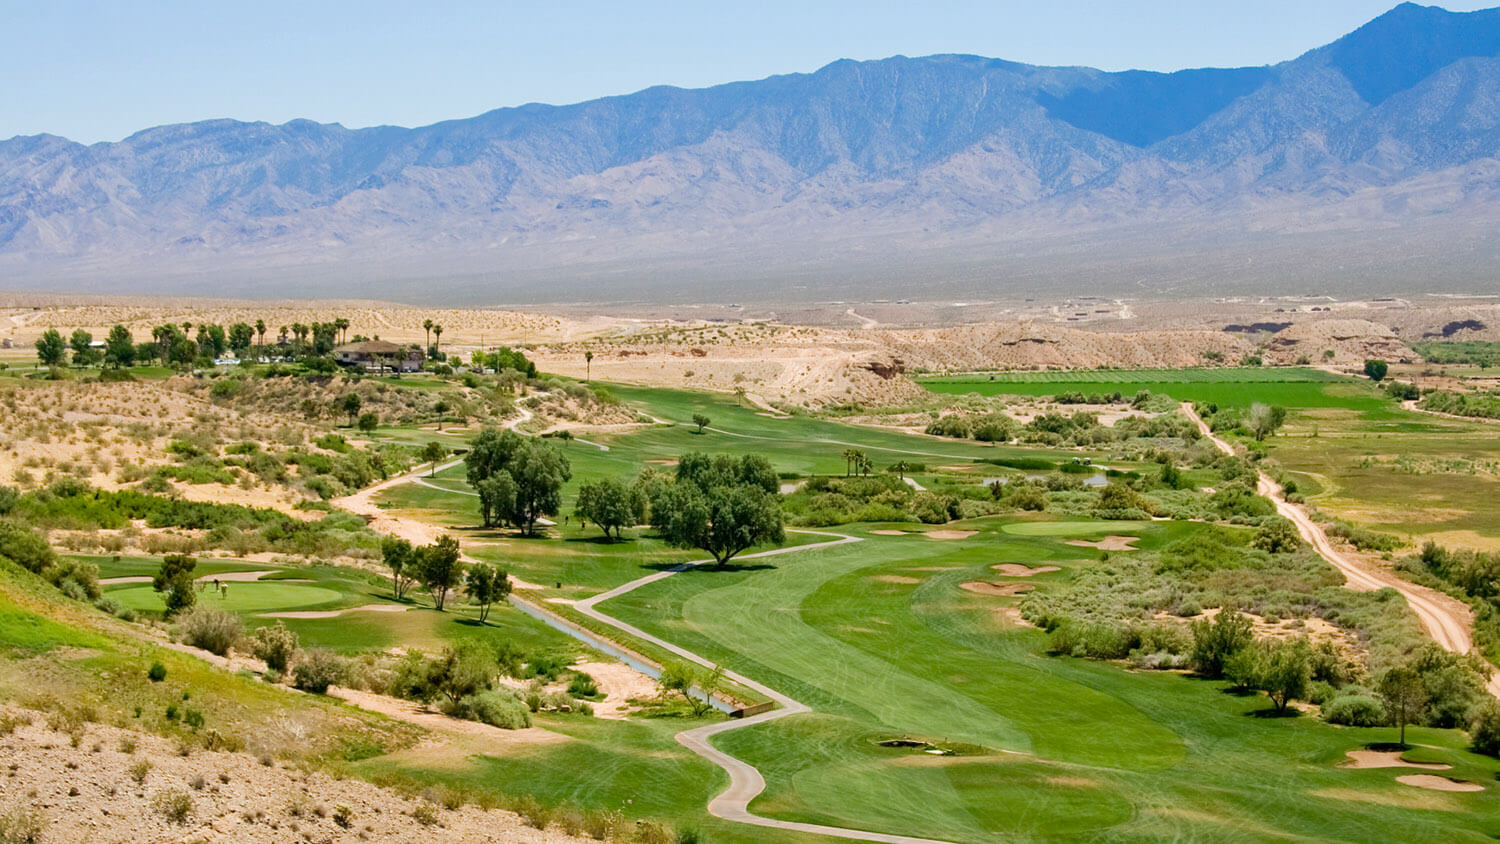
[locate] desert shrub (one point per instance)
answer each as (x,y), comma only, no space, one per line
(77,579)
(934,509)
(157,672)
(9,496)
(1214,642)
(140,770)
(22,825)
(582,685)
(275,645)
(213,630)
(426,814)
(496,708)
(1484,728)
(1240,500)
(950,426)
(25,547)
(318,670)
(1354,710)
(1277,536)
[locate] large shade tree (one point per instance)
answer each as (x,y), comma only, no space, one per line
(722,505)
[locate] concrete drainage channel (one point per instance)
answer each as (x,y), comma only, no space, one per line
(745,782)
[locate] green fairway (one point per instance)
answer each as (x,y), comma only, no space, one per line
(1071,528)
(881,641)
(242,598)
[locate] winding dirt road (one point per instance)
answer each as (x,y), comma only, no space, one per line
(1447,620)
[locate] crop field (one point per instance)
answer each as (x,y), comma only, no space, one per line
(1290,387)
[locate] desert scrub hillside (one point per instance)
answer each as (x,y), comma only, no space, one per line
(83,518)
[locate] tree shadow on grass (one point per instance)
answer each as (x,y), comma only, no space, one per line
(709,568)
(598,539)
(1289,712)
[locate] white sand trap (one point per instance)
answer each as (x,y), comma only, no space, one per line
(896,578)
(337,613)
(525,584)
(564,601)
(1436,783)
(1000,590)
(949,534)
(1018,570)
(889,532)
(1108,543)
(619,683)
(1387,759)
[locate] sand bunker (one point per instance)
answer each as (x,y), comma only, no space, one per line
(1018,570)
(896,578)
(1387,759)
(1436,783)
(889,532)
(1108,543)
(1003,590)
(620,684)
(949,534)
(337,613)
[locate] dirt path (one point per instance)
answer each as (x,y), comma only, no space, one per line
(1445,619)
(1411,404)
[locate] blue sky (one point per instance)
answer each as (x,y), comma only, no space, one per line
(95,71)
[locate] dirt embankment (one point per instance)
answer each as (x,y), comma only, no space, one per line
(119,785)
(1345,343)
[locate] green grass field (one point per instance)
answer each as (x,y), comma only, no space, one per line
(1291,387)
(880,638)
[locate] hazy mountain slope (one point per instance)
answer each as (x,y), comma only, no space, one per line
(957,173)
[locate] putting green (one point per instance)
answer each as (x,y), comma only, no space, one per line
(243,597)
(1070,528)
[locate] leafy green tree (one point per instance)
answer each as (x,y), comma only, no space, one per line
(212,341)
(704,471)
(701,421)
(350,404)
(439,568)
(1265,420)
(539,471)
(433,453)
(51,348)
(241,338)
(400,557)
(490,452)
(1214,642)
(368,422)
(723,520)
(486,585)
(497,498)
(1404,694)
(1284,672)
(83,349)
(119,347)
(682,678)
(611,504)
(175,581)
(1377,370)
(184,351)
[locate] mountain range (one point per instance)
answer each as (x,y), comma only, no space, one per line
(1371,164)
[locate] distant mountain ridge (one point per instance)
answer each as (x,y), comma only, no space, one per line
(1371,161)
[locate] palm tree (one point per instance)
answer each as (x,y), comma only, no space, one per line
(864,464)
(437,331)
(850,455)
(260,328)
(900,467)
(427,327)
(588,360)
(341,325)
